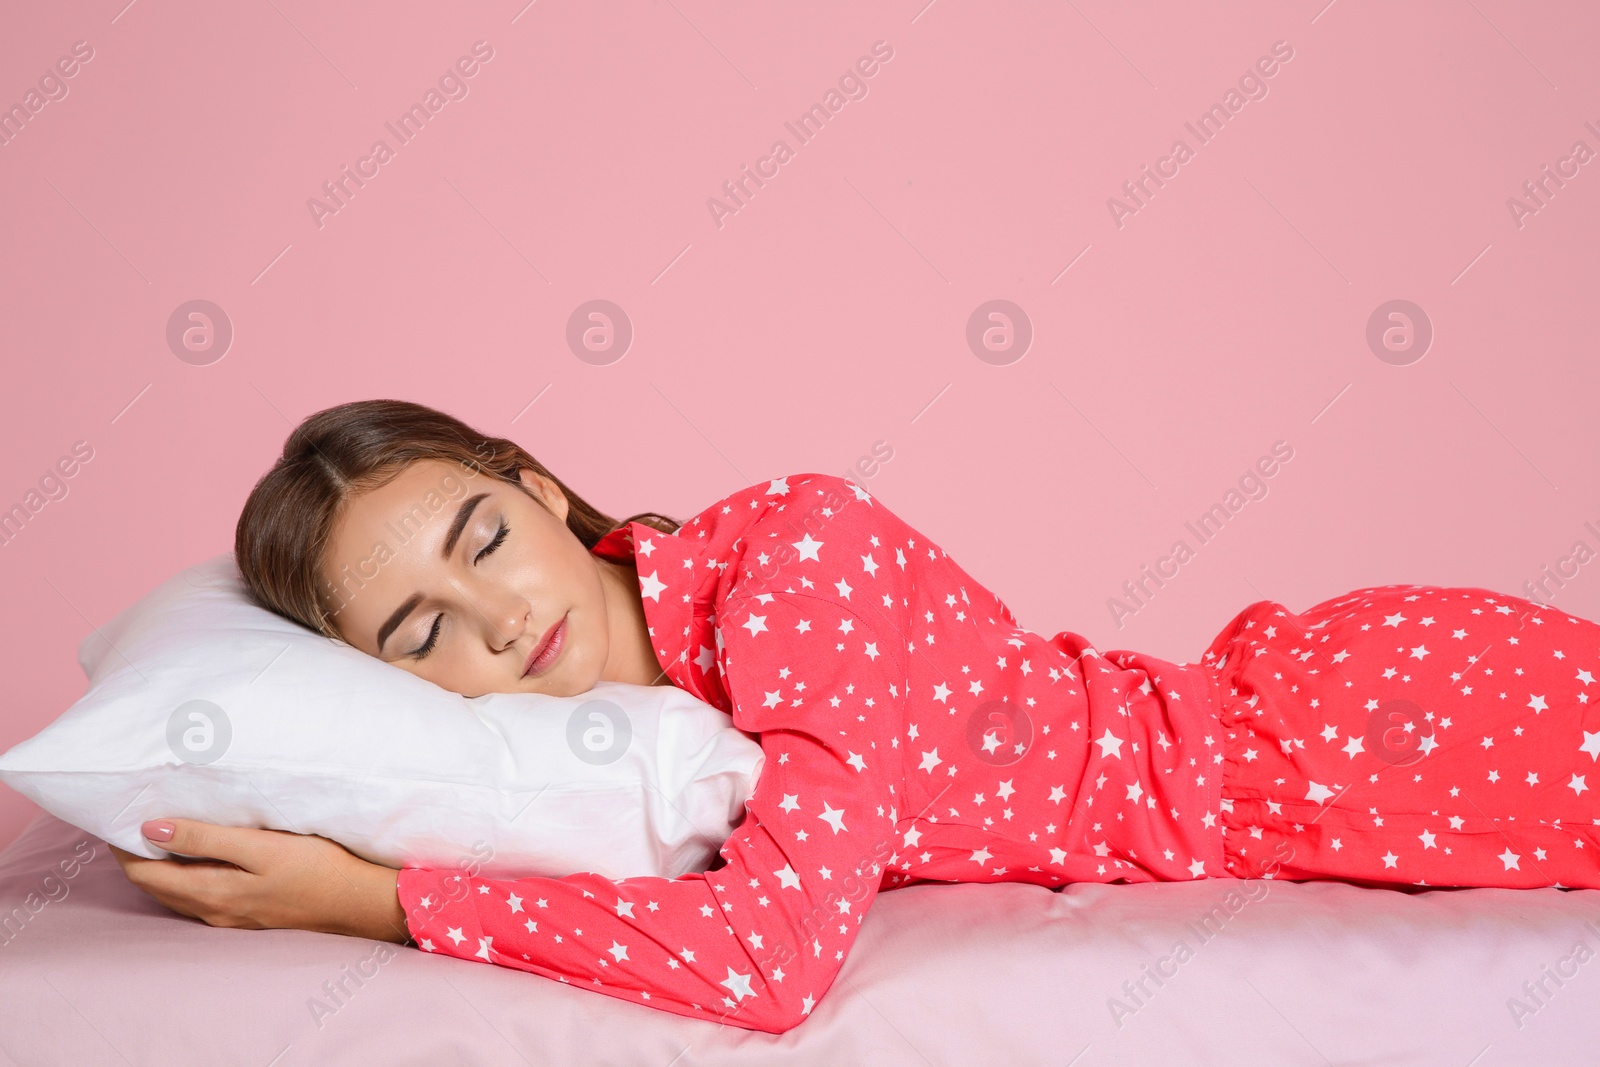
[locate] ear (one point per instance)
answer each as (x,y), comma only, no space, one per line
(546,490)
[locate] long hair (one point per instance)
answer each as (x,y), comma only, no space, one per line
(283,532)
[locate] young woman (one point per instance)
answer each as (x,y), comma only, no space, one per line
(913,731)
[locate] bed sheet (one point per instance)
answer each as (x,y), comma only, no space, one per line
(1282,973)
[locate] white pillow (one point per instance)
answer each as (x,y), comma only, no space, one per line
(298,732)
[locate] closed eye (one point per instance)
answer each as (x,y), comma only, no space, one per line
(499,539)
(433,634)
(433,639)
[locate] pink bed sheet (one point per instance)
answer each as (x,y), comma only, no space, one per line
(1284,974)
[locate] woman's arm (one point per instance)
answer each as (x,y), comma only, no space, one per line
(755,942)
(818,671)
(267,879)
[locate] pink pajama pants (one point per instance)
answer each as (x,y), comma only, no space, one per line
(1411,736)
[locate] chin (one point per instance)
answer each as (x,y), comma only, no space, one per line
(581,678)
(568,680)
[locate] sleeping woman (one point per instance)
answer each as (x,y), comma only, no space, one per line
(913,732)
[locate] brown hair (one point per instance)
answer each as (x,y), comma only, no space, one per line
(342,451)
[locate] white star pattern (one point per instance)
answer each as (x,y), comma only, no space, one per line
(651,586)
(936,740)
(1109,745)
(1503,666)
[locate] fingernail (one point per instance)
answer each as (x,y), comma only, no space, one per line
(159,830)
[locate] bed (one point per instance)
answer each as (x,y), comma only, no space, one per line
(1316,973)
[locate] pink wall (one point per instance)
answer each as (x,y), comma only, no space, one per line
(1227,312)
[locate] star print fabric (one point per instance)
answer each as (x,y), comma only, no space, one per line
(758,939)
(1410,736)
(912,731)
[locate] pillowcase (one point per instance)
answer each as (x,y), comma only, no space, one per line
(205,706)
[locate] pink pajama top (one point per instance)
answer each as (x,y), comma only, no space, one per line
(913,732)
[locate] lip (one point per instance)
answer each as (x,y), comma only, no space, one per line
(548,650)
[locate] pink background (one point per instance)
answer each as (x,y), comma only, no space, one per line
(830,311)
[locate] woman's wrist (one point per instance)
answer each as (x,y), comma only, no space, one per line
(373,910)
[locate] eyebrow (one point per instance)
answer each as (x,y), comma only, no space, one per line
(463,514)
(460,523)
(397,618)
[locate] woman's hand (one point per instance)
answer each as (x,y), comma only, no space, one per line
(267,879)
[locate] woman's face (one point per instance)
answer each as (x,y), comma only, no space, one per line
(460,579)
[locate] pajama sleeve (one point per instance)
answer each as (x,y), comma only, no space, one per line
(757,940)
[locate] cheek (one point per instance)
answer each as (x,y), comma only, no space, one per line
(598,638)
(589,601)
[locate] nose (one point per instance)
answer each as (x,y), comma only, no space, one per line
(503,614)
(508,622)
